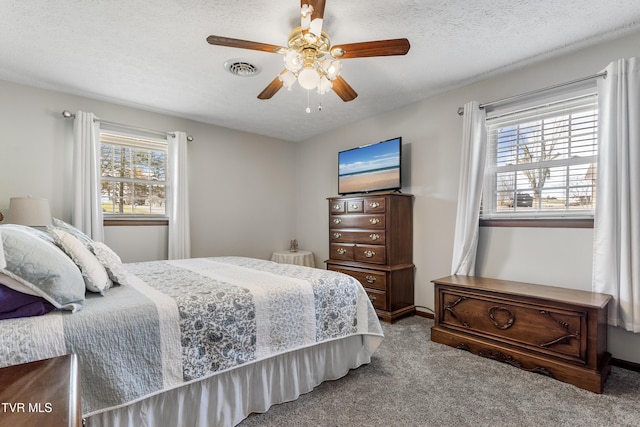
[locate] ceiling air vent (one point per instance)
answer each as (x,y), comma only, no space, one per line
(241,67)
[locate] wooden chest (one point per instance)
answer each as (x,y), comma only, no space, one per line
(371,239)
(558,332)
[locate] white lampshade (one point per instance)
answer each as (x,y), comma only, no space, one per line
(309,78)
(316,27)
(324,86)
(305,16)
(288,79)
(293,60)
(31,211)
(332,68)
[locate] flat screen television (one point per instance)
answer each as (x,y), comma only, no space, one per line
(369,168)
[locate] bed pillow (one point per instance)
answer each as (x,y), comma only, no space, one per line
(40,268)
(110,261)
(14,304)
(58,223)
(33,231)
(95,276)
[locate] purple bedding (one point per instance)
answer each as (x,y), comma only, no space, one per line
(16,304)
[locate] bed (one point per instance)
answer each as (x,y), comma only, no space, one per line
(194,342)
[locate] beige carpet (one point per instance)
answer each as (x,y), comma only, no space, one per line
(412,381)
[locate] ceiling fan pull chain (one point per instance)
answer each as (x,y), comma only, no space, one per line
(308,110)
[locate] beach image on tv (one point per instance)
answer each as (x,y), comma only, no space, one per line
(370,168)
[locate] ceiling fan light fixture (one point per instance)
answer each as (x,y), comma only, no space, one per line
(309,78)
(331,68)
(293,60)
(305,16)
(325,85)
(316,27)
(288,79)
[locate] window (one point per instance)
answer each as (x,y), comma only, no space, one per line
(133,175)
(541,161)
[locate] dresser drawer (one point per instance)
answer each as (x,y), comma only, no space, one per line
(370,253)
(558,332)
(355,206)
(368,278)
(338,207)
(374,205)
(357,221)
(378,298)
(363,236)
(342,251)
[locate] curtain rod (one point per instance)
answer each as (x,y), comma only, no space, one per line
(535,92)
(67,114)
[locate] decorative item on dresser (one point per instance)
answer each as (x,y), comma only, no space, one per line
(371,239)
(554,331)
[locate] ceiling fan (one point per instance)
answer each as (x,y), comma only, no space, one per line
(309,57)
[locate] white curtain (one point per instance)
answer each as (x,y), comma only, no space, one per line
(178,198)
(86,212)
(474,149)
(616,264)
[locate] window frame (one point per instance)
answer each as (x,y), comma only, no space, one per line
(138,141)
(577,102)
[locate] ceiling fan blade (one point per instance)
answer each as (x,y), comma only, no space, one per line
(271,89)
(343,90)
(318,9)
(312,22)
(375,48)
(244,44)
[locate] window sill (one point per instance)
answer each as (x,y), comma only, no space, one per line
(127,222)
(538,223)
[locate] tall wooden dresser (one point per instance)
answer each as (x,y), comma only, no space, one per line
(371,239)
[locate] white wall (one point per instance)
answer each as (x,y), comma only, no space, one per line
(431,132)
(241,185)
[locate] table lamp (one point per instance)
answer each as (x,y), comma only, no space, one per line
(31,211)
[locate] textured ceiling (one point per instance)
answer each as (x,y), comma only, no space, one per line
(154,55)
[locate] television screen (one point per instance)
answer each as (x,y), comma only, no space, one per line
(374,167)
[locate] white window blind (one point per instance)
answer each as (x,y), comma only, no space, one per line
(541,161)
(133,175)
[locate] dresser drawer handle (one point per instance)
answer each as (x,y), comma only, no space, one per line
(369,254)
(354,206)
(374,221)
(374,236)
(374,205)
(370,279)
(336,207)
(337,235)
(341,251)
(337,221)
(372,298)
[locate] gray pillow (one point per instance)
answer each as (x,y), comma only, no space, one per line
(39,267)
(110,261)
(58,223)
(95,276)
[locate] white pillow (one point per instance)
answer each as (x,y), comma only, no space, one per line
(110,261)
(95,276)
